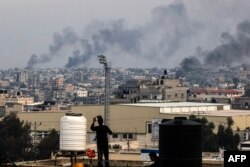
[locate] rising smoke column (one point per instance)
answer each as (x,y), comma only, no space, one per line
(78,57)
(172,26)
(168,37)
(34,59)
(68,37)
(115,35)
(190,63)
(234,50)
(155,42)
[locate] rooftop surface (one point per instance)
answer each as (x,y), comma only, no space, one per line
(175,104)
(228,113)
(220,112)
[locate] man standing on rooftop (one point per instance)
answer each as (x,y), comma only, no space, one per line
(102,132)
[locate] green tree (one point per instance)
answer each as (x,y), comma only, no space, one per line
(226,138)
(48,145)
(236,141)
(209,139)
(230,122)
(15,138)
(221,136)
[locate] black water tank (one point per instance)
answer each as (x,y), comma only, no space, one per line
(180,143)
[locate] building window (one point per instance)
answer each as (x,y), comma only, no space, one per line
(176,94)
(124,135)
(182,95)
(149,128)
(115,135)
(127,136)
(162,82)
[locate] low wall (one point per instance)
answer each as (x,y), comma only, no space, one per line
(113,163)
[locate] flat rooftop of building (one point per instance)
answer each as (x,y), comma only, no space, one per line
(228,113)
(221,112)
(174,104)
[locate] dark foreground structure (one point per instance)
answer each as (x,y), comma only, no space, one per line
(113,163)
(180,143)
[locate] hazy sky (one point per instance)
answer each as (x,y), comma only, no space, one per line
(131,33)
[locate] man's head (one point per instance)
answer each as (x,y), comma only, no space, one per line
(100,120)
(153,156)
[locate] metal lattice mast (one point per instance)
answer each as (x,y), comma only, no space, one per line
(107,95)
(102,60)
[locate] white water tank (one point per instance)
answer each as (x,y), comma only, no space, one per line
(73,131)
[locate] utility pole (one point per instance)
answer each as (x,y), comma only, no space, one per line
(106,66)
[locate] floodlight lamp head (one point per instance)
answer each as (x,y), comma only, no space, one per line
(102,61)
(101,57)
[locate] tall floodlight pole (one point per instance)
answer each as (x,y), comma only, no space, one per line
(102,60)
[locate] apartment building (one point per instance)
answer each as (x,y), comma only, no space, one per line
(3,96)
(165,89)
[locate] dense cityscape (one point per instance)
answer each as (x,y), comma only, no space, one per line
(64,85)
(86,85)
(124,83)
(28,92)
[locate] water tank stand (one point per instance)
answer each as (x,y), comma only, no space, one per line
(72,154)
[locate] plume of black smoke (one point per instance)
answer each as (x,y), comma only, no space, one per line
(117,35)
(79,57)
(127,39)
(68,37)
(34,59)
(155,41)
(158,41)
(234,50)
(173,25)
(190,64)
